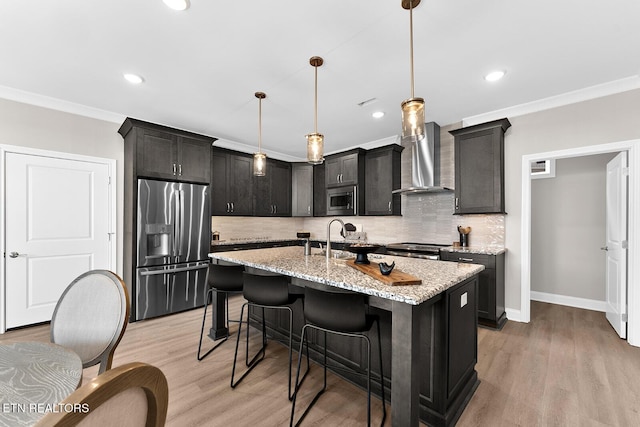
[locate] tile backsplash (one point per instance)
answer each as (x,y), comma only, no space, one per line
(428,219)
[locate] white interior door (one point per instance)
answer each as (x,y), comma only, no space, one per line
(616,235)
(57,227)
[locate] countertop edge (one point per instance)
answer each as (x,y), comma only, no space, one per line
(398,295)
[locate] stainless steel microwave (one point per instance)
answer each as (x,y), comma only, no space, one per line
(342,201)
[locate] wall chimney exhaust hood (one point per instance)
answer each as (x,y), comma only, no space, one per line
(425,162)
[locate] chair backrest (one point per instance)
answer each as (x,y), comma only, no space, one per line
(266,289)
(337,311)
(91,316)
(135,394)
(226,277)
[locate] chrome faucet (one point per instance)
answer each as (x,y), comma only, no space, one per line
(344,233)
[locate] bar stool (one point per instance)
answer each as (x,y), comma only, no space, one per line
(221,278)
(343,314)
(266,292)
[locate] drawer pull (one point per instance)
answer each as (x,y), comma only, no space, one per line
(465,259)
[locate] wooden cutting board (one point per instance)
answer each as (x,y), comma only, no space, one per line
(395,278)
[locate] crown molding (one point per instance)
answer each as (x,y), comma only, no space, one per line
(246,148)
(59,105)
(592,92)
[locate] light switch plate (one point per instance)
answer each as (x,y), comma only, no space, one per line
(463,300)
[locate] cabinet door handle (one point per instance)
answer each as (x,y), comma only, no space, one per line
(457,203)
(179,170)
(389,206)
(228,207)
(174,169)
(232,207)
(309,209)
(275,209)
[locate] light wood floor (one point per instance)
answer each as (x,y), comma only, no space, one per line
(565,368)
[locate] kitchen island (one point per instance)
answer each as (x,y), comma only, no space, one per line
(429,331)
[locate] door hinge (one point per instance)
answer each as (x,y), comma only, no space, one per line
(625,317)
(625,171)
(110,234)
(625,244)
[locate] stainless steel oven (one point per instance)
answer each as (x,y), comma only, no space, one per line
(342,201)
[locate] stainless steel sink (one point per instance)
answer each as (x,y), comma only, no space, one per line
(336,254)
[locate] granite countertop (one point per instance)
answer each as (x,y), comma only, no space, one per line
(437,276)
(485,250)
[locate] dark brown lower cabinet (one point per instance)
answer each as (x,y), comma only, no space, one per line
(491,312)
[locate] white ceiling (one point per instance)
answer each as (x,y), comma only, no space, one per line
(202,66)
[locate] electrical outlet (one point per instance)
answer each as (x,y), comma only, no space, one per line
(463,300)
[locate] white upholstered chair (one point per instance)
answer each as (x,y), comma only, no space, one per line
(91,317)
(135,394)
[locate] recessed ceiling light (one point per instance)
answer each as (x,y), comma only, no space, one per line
(133,78)
(177,4)
(377,114)
(494,76)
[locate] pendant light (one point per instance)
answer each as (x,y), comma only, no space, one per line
(412,108)
(259,158)
(315,140)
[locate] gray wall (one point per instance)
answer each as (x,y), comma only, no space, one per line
(568,218)
(36,127)
(598,121)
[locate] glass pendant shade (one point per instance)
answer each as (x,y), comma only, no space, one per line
(315,140)
(315,148)
(259,164)
(259,158)
(413,118)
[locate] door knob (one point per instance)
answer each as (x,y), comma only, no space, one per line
(14,254)
(604,248)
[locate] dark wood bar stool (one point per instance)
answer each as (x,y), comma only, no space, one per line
(266,292)
(343,314)
(221,278)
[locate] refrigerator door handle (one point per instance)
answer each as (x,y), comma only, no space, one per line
(174,270)
(176,228)
(182,221)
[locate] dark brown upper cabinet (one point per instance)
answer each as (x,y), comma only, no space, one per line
(479,168)
(382,176)
(345,168)
(272,192)
(165,153)
(302,189)
(319,191)
(231,183)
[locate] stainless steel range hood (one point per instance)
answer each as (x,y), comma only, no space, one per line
(425,162)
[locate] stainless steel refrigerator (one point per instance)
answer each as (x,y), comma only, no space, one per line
(172,245)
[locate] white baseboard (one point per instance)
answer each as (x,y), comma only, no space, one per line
(514,315)
(588,304)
